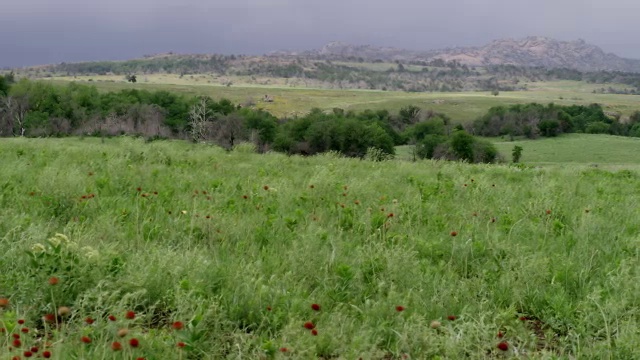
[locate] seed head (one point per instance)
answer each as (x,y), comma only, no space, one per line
(435,324)
(123,332)
(64,311)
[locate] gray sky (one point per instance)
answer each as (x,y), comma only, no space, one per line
(52,31)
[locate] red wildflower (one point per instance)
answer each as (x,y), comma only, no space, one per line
(266,187)
(112,318)
(138,189)
(283,349)
(21,321)
(16,343)
(315,307)
(89,320)
(454,233)
(4,302)
(16,336)
(390,215)
(130,315)
(208,216)
(245,197)
(53,280)
(116,346)
(451,317)
(268,308)
(178,325)
(309,325)
(314,332)
(32,193)
(133,342)
(140,358)
(86,339)
(503,346)
(399,308)
(500,334)
(50,318)
(27,354)
(25,330)
(548,212)
(46,354)
(180,344)
(34,349)
(523,318)
(83,196)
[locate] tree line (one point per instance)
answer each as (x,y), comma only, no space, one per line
(39,109)
(535,120)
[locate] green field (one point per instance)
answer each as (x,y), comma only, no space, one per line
(425,260)
(288,101)
(596,150)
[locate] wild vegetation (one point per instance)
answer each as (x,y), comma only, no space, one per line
(534,120)
(117,248)
(40,109)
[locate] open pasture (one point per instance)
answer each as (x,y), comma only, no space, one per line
(198,253)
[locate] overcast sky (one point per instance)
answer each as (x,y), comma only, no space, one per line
(52,31)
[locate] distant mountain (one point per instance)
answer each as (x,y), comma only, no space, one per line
(530,51)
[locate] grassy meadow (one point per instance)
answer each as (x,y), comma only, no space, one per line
(596,150)
(291,101)
(121,249)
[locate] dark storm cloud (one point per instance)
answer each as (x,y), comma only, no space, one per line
(49,31)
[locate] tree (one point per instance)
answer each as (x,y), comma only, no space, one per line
(462,145)
(516,154)
(229,129)
(198,117)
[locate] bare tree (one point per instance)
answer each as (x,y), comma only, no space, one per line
(198,117)
(14,111)
(229,129)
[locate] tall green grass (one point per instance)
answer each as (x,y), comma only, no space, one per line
(238,246)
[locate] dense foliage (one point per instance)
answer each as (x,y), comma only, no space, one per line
(534,120)
(40,109)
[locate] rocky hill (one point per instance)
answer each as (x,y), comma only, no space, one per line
(530,51)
